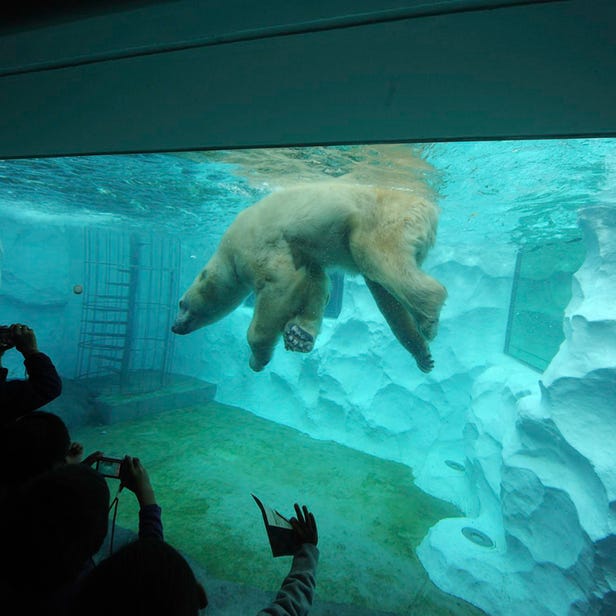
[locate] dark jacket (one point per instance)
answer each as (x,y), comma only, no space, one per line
(18,397)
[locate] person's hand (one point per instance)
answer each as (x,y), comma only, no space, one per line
(75,452)
(90,459)
(6,341)
(24,339)
(305,525)
(135,478)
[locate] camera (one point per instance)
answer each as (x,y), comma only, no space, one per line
(6,339)
(109,467)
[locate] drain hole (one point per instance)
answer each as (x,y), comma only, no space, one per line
(477,537)
(455,465)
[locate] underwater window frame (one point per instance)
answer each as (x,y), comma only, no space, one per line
(523,349)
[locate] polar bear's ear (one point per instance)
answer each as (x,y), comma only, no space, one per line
(203,274)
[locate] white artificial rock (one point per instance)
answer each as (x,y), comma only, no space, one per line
(542,457)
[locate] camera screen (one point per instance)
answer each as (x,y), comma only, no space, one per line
(109,467)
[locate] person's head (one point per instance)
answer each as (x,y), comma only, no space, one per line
(147,577)
(30,445)
(57,522)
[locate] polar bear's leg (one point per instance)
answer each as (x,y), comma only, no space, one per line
(390,265)
(289,301)
(423,295)
(312,294)
(420,294)
(269,316)
(292,304)
(402,325)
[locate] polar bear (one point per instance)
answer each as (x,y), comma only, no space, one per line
(280,248)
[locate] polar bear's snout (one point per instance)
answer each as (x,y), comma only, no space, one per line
(182,323)
(178,328)
(185,324)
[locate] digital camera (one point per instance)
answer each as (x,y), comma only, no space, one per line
(109,467)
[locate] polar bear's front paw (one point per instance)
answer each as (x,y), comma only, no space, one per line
(297,339)
(256,365)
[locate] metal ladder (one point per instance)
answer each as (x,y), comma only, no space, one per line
(130,293)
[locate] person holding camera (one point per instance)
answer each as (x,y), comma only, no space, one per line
(33,444)
(18,397)
(58,523)
(154,579)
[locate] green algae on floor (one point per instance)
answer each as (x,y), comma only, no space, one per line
(205,461)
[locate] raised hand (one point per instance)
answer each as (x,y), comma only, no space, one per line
(304,525)
(24,339)
(135,478)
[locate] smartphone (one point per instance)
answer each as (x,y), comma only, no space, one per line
(109,467)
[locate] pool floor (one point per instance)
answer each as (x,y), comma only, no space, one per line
(204,462)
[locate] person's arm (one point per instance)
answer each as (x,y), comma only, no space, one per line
(297,591)
(43,385)
(135,478)
(5,345)
(3,372)
(43,377)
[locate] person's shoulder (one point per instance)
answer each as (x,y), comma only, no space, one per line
(38,354)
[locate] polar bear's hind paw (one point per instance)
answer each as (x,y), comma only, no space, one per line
(424,361)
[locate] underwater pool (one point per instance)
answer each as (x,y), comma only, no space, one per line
(482,485)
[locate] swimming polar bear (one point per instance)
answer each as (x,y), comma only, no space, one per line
(280,248)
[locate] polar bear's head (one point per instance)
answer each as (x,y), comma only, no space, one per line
(192,313)
(212,295)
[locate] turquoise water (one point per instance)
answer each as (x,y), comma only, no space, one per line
(486,441)
(529,189)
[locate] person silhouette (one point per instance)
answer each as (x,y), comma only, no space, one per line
(154,579)
(19,396)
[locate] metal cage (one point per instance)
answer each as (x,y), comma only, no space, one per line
(130,292)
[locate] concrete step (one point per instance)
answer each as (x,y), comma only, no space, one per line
(146,397)
(105,400)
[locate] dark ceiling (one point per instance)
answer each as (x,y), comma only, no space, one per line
(32,14)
